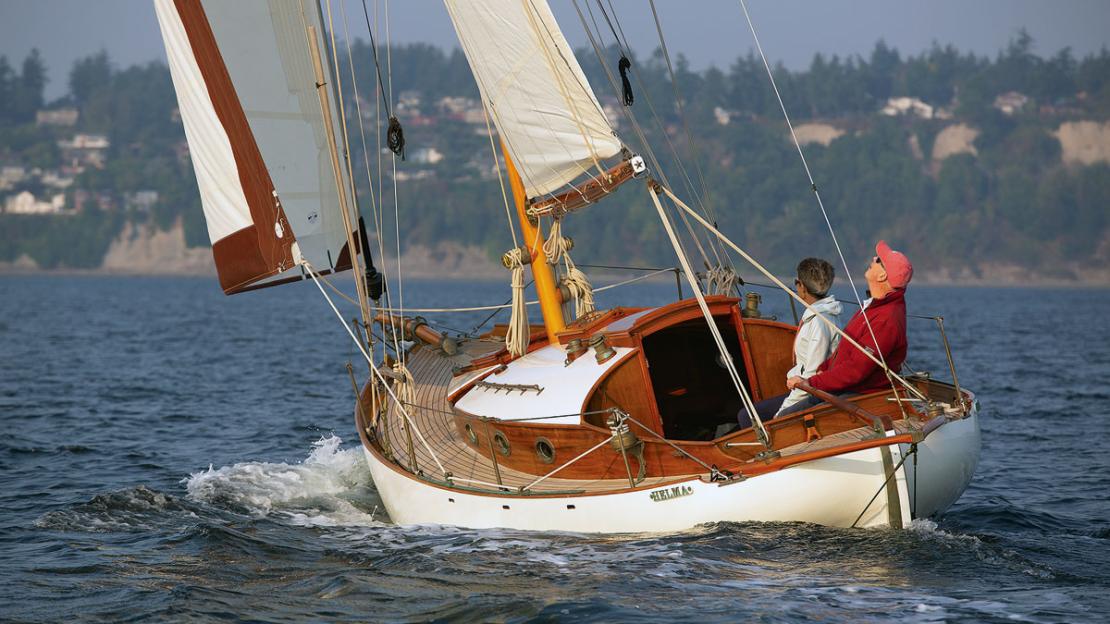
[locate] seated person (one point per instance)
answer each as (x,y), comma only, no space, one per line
(849,370)
(814,341)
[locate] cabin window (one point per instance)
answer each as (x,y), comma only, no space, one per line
(693,391)
(501,443)
(545,451)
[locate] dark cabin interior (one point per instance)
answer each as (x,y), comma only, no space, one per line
(692,387)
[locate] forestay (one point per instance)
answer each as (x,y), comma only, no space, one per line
(535,90)
(246,90)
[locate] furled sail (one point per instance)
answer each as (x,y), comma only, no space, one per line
(246,89)
(535,90)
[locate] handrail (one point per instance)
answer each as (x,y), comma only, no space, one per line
(880,423)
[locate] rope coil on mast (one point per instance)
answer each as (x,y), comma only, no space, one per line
(519,332)
(556,248)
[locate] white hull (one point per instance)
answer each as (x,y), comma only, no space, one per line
(831,491)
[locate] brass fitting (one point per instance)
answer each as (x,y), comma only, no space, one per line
(751,305)
(525,257)
(602,351)
(575,348)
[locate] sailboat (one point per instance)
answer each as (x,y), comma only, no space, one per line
(614,420)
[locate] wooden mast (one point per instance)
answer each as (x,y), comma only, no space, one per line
(546,288)
(340,187)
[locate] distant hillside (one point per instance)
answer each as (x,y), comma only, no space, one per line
(982,169)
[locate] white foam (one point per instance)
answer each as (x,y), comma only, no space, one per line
(314,492)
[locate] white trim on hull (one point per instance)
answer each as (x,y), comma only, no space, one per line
(830,491)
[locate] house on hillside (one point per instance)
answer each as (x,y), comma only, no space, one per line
(56,179)
(425,156)
(1011,102)
(464,109)
(85,149)
(899,106)
(27,204)
(56,117)
(140,201)
(11,175)
(408,102)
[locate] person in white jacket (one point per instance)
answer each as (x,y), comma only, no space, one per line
(815,339)
(814,342)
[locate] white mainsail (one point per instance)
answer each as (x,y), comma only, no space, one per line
(246,90)
(535,90)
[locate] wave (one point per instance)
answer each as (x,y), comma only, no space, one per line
(134,509)
(331,487)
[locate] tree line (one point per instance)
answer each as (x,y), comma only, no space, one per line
(1011,202)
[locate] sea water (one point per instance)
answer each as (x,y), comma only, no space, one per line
(172,454)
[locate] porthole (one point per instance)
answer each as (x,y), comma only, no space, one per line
(501,443)
(545,451)
(471,435)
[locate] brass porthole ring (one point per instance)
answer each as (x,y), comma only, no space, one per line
(545,450)
(501,443)
(471,435)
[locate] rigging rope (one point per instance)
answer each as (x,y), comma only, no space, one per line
(759,267)
(639,131)
(376,203)
(503,306)
(726,357)
(374,369)
(396,188)
(362,282)
(624,64)
(913,451)
(723,280)
(395,137)
(820,203)
(704,200)
(375,280)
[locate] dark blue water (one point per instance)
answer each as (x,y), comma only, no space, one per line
(171,454)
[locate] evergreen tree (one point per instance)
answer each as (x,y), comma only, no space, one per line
(7,90)
(90,75)
(28,97)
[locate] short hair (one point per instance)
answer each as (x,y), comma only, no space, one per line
(817,275)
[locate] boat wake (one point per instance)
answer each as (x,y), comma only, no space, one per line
(331,487)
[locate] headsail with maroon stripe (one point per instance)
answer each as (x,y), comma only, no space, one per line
(247,95)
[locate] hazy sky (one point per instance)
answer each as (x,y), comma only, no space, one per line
(706,31)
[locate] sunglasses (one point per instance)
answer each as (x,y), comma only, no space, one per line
(877,260)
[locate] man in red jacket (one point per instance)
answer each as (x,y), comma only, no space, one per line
(850,371)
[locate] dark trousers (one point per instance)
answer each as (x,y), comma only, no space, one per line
(767,408)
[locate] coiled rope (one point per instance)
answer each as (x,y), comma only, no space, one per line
(723,280)
(518,334)
(556,248)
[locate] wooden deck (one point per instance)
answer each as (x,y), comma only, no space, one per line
(433,417)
